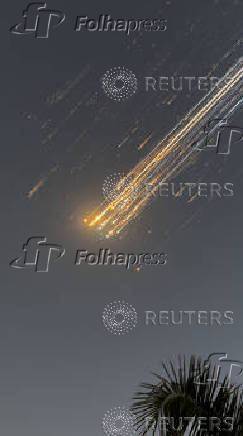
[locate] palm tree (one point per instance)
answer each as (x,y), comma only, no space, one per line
(188,390)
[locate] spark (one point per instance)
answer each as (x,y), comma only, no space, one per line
(146,140)
(169,155)
(36,188)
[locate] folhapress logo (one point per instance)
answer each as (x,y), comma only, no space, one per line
(226,373)
(106,23)
(38,20)
(225,135)
(37,255)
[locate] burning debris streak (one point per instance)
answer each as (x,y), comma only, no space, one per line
(169,155)
(37,187)
(145,141)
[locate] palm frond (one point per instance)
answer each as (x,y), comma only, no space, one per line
(187,390)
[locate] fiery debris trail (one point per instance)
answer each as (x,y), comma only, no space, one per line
(132,193)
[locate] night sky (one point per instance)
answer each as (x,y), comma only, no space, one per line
(60,369)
